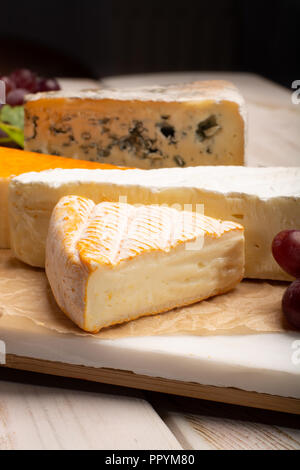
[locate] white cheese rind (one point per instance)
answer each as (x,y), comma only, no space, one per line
(216,90)
(264,200)
(4,223)
(112,263)
(202,123)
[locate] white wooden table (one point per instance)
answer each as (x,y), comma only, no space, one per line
(42,412)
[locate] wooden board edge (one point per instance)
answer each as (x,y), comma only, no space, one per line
(129,379)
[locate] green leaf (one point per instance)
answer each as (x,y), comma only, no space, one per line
(13,115)
(15,134)
(12,123)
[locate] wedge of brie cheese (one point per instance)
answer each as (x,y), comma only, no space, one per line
(201,123)
(111,263)
(264,200)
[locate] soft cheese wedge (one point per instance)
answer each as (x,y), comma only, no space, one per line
(15,162)
(264,200)
(111,263)
(201,123)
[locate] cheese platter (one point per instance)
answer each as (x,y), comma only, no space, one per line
(236,347)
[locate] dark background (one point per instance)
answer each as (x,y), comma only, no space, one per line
(97,38)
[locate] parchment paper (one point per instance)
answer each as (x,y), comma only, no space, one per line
(253,307)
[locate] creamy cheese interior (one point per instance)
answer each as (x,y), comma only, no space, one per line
(158,282)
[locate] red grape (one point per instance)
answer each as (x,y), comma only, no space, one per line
(38,84)
(48,84)
(286,251)
(25,79)
(16,97)
(291,304)
(9,84)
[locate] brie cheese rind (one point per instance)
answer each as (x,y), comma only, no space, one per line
(111,263)
(264,200)
(201,123)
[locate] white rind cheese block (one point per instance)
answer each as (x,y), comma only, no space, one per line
(111,263)
(4,225)
(264,200)
(201,123)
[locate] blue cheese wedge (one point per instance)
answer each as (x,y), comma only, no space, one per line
(113,262)
(201,123)
(263,200)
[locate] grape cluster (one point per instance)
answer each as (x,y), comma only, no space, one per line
(23,81)
(286,251)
